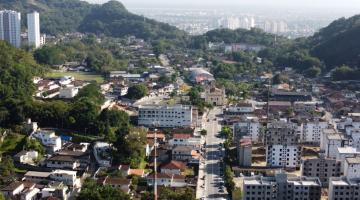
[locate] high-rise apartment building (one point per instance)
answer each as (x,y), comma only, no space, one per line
(33,23)
(10,27)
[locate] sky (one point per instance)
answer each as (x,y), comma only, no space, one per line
(350,4)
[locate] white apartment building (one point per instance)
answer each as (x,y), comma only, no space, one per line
(165,116)
(33,22)
(49,139)
(66,176)
(352,168)
(282,145)
(248,127)
(313,130)
(10,27)
(330,141)
(102,154)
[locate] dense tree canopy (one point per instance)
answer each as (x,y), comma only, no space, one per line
(137,91)
(91,190)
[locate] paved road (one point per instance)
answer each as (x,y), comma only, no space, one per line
(213,178)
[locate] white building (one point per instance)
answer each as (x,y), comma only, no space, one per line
(102,153)
(68,92)
(185,140)
(165,116)
(330,141)
(313,130)
(67,177)
(345,152)
(26,157)
(49,139)
(282,145)
(248,127)
(10,27)
(352,168)
(33,22)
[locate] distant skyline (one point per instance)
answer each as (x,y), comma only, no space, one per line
(350,4)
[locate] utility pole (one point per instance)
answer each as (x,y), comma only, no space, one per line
(155,162)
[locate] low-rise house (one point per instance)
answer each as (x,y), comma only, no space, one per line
(68,177)
(173,167)
(167,180)
(62,162)
(21,190)
(178,181)
(49,140)
(185,153)
(26,157)
(102,153)
(120,183)
(180,139)
(68,92)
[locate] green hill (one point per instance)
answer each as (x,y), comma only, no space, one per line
(111,19)
(338,43)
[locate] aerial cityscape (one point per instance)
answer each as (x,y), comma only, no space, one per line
(190,100)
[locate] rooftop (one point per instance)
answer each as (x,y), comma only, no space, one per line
(355,160)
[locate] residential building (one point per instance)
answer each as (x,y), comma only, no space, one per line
(345,152)
(20,190)
(186,154)
(249,126)
(33,23)
(322,167)
(281,187)
(352,168)
(173,167)
(102,153)
(239,109)
(313,131)
(49,140)
(68,92)
(215,96)
(343,188)
(281,95)
(330,141)
(180,139)
(165,116)
(67,177)
(26,157)
(244,150)
(120,183)
(10,27)
(62,162)
(282,145)
(167,180)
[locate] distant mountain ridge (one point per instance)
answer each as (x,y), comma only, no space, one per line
(111,19)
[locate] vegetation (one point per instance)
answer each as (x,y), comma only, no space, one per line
(34,145)
(345,73)
(99,57)
(112,19)
(7,170)
(13,143)
(84,76)
(92,191)
(137,91)
(170,194)
(195,98)
(16,87)
(130,146)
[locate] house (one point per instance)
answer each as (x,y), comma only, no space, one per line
(173,167)
(102,153)
(26,157)
(62,162)
(180,139)
(178,181)
(20,190)
(49,140)
(68,177)
(162,179)
(121,183)
(185,153)
(68,92)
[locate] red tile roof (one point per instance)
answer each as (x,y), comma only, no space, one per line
(181,136)
(174,165)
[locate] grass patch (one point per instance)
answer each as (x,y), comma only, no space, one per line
(12,144)
(84,76)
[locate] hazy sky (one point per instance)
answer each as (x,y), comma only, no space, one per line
(355,4)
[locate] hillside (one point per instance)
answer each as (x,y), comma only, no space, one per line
(111,19)
(338,43)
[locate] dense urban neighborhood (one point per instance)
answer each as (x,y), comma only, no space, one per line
(97,110)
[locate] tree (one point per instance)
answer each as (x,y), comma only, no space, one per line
(203,132)
(7,169)
(280,78)
(2,196)
(84,112)
(92,191)
(34,145)
(91,92)
(345,73)
(137,91)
